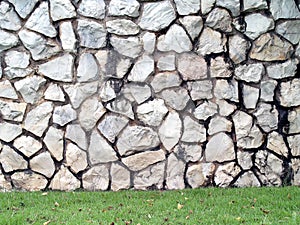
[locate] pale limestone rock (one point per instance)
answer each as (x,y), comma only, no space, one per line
(29,88)
(284,9)
(157,15)
(96,178)
(250,72)
(165,80)
(225,108)
(211,41)
(136,92)
(294,120)
(39,47)
(91,34)
(175,173)
(250,96)
(142,160)
(27,145)
(192,66)
(193,131)
(5,185)
(205,110)
(244,159)
(16,59)
(294,143)
(226,89)
(7,90)
(188,152)
(247,179)
(64,180)
(267,89)
(54,141)
(257,24)
(76,134)
(269,47)
(150,178)
(142,69)
(199,175)
(225,174)
(64,114)
(11,160)
(200,89)
(166,62)
(63,72)
(99,150)
(186,7)
(67,36)
(7,40)
(39,21)
(38,118)
(12,73)
(238,47)
(130,47)
(283,70)
(175,39)
(288,93)
(252,5)
(122,67)
(233,6)
(9,132)
(76,159)
(267,117)
(219,68)
(120,177)
(149,41)
(152,112)
(87,69)
(111,125)
(124,8)
(176,98)
(219,124)
(296,169)
(290,30)
(90,112)
(247,134)
(61,9)
(122,106)
(54,93)
(277,144)
(122,27)
(43,163)
(219,19)
(28,181)
(23,8)
(87,8)
(207,5)
(137,139)
(79,92)
(12,111)
(193,25)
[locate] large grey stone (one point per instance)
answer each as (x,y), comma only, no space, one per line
(11,160)
(219,124)
(244,159)
(12,111)
(61,9)
(193,131)
(28,181)
(294,120)
(294,143)
(219,68)
(7,90)
(276,144)
(43,163)
(9,131)
(54,141)
(176,98)
(200,174)
(200,89)
(206,6)
(164,80)
(54,93)
(64,114)
(122,106)
(267,89)
(290,30)
(192,24)
(247,179)
(284,9)
(250,72)
(205,110)
(136,92)
(188,152)
(87,69)
(8,17)
(23,8)
(130,47)
(233,6)
(7,40)
(175,173)
(64,180)
(288,93)
(27,145)
(225,174)
(250,96)
(257,24)
(87,8)
(124,8)
(67,36)
(149,41)
(76,158)
(267,117)
(238,47)
(219,19)
(96,178)
(253,5)
(16,59)
(122,27)
(120,177)
(142,69)
(283,70)
(75,133)
(186,7)
(226,89)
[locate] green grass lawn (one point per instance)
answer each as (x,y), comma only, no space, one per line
(200,206)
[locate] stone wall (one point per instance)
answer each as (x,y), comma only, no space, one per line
(149,94)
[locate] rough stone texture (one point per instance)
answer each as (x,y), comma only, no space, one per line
(296,166)
(122,106)
(192,66)
(176,98)
(54,93)
(283,70)
(7,40)
(220,68)
(193,25)
(165,80)
(267,90)
(188,152)
(294,143)
(250,73)
(219,124)
(267,117)
(76,159)
(61,9)
(257,24)
(67,36)
(87,69)
(130,47)
(276,144)
(288,94)
(122,8)
(7,90)
(200,174)
(96,178)
(290,30)
(245,159)
(247,179)
(64,114)
(175,173)
(122,27)
(64,180)
(206,110)
(193,131)
(27,145)
(200,89)
(284,9)
(294,120)
(166,62)
(12,111)
(23,8)
(225,174)
(250,96)
(75,133)
(142,69)
(233,6)
(120,177)
(28,181)
(11,160)
(186,7)
(252,5)
(238,47)
(54,140)
(87,8)
(9,132)
(219,19)
(43,163)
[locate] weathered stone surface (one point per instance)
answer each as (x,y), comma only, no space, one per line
(54,140)
(205,110)
(250,96)
(288,93)
(12,111)
(27,145)
(267,117)
(219,19)
(269,47)
(170,130)
(283,70)
(64,114)
(122,106)
(219,68)
(284,9)
(38,118)
(149,41)
(175,173)
(244,159)
(176,98)
(226,89)
(157,15)
(87,69)
(225,108)
(124,8)
(200,174)
(64,180)
(43,163)
(193,25)
(290,30)
(192,66)
(296,169)
(200,89)
(188,152)
(193,131)
(28,181)
(87,8)
(54,93)
(277,144)
(175,39)
(250,72)
(67,36)
(152,112)
(257,24)
(5,185)
(61,9)
(76,159)
(7,40)
(39,21)
(247,179)
(130,47)
(122,27)
(165,80)
(166,62)
(7,90)
(247,134)
(23,8)
(186,7)
(99,150)
(225,174)
(206,6)
(143,68)
(92,34)
(111,125)
(294,120)
(76,134)
(219,124)
(267,89)
(253,5)
(211,41)
(120,177)
(238,47)
(294,143)
(12,73)
(9,131)
(233,6)
(11,160)
(96,178)
(16,59)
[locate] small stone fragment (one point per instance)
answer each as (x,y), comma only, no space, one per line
(54,93)
(186,7)
(54,140)
(219,19)
(149,40)
(175,173)
(142,69)
(250,72)
(200,174)
(247,179)
(124,8)
(120,177)
(61,9)
(226,89)
(7,90)
(294,143)
(219,124)
(219,68)
(96,178)
(23,8)
(277,144)
(43,163)
(238,47)
(188,152)
(225,174)
(257,24)
(225,108)
(294,120)
(288,93)
(267,89)
(250,96)
(122,27)
(76,159)
(165,80)
(193,131)
(244,159)
(283,70)
(64,114)
(200,89)
(284,9)
(130,47)
(205,110)
(233,6)
(67,37)
(166,62)
(76,134)
(9,131)
(87,8)
(290,30)
(193,25)
(11,160)
(28,181)
(64,180)
(27,145)
(176,98)
(12,111)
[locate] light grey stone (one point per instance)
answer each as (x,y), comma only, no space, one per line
(277,144)
(192,24)
(76,159)
(149,41)
(76,134)
(244,159)
(225,108)
(12,111)
(27,145)
(225,174)
(11,160)
(238,47)
(124,8)
(193,131)
(199,174)
(64,180)
(96,178)
(67,36)
(205,110)
(250,96)
(142,69)
(130,47)
(233,6)
(288,93)
(54,93)
(87,8)
(28,181)
(186,7)
(5,185)
(176,98)
(247,179)
(294,120)
(283,70)
(64,114)
(120,177)
(43,163)
(122,67)
(257,24)
(37,119)
(192,66)
(200,89)
(137,139)
(219,124)
(23,8)
(294,143)
(165,80)
(188,152)
(91,34)
(152,112)
(175,39)
(250,72)
(284,9)
(61,9)
(87,69)
(219,68)
(7,40)
(8,17)
(137,92)
(122,106)
(170,130)
(39,21)
(12,73)
(157,15)
(253,5)
(219,19)
(290,30)
(207,5)
(54,141)
(226,89)
(99,150)
(122,27)
(166,62)
(267,89)
(111,126)
(175,173)
(7,90)
(16,59)
(296,169)
(9,131)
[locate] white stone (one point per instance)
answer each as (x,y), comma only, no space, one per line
(207,5)
(175,173)
(11,160)
(205,110)
(142,69)
(294,120)
(186,7)
(120,177)
(219,68)
(294,143)
(238,47)
(252,5)
(7,90)
(87,69)
(137,92)
(9,132)
(54,140)
(200,89)
(257,24)
(7,40)
(122,106)
(225,174)
(277,144)
(8,17)
(122,27)
(284,9)
(247,179)
(250,72)
(12,111)
(157,15)
(54,93)
(233,6)
(225,108)
(219,19)
(67,36)
(283,70)
(289,30)
(92,8)
(5,185)
(12,73)
(176,98)
(149,40)
(166,62)
(193,131)
(16,59)
(96,178)
(64,114)
(122,67)
(76,134)
(288,93)
(61,9)
(23,8)
(188,152)
(27,145)
(199,174)
(250,96)
(219,124)
(29,181)
(244,159)
(76,159)
(130,47)
(38,118)
(267,89)
(296,169)
(64,180)
(164,80)
(226,89)
(267,117)
(124,8)
(43,163)
(193,25)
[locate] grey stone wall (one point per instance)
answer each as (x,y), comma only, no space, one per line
(149,94)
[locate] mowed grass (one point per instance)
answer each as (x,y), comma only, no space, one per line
(200,206)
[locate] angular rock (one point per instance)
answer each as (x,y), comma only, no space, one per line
(250,96)
(277,144)
(290,30)
(27,145)
(186,7)
(288,93)
(257,24)
(253,5)
(200,89)
(176,98)
(120,177)
(193,131)
(43,163)
(233,6)
(11,160)
(267,89)
(250,72)
(207,5)
(122,106)
(67,37)
(205,110)
(9,132)
(225,108)
(7,40)
(149,40)
(283,70)
(225,174)
(135,92)
(226,89)
(16,59)
(54,93)
(28,181)
(23,8)
(165,80)
(247,179)
(166,62)
(296,169)
(219,124)
(124,8)
(192,66)
(64,180)
(122,27)
(12,111)
(12,73)
(96,178)
(130,47)
(7,90)
(142,69)
(76,159)
(267,117)
(87,69)
(5,185)
(175,173)
(61,9)
(294,120)
(75,133)
(200,174)
(238,47)
(136,139)
(87,8)
(157,15)
(244,159)
(219,19)
(64,114)
(54,140)
(188,152)
(219,68)
(284,9)
(294,143)
(193,25)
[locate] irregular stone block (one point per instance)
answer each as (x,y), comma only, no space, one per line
(193,131)
(247,179)
(120,177)
(61,9)
(192,24)
(124,8)
(219,19)
(11,160)
(27,145)
(122,27)
(87,8)
(96,178)
(54,140)
(188,152)
(63,115)
(288,93)
(277,144)
(219,124)
(43,163)
(165,80)
(225,174)
(12,111)
(176,98)
(75,133)
(9,131)
(28,181)
(64,180)
(200,174)
(205,110)
(175,173)
(76,159)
